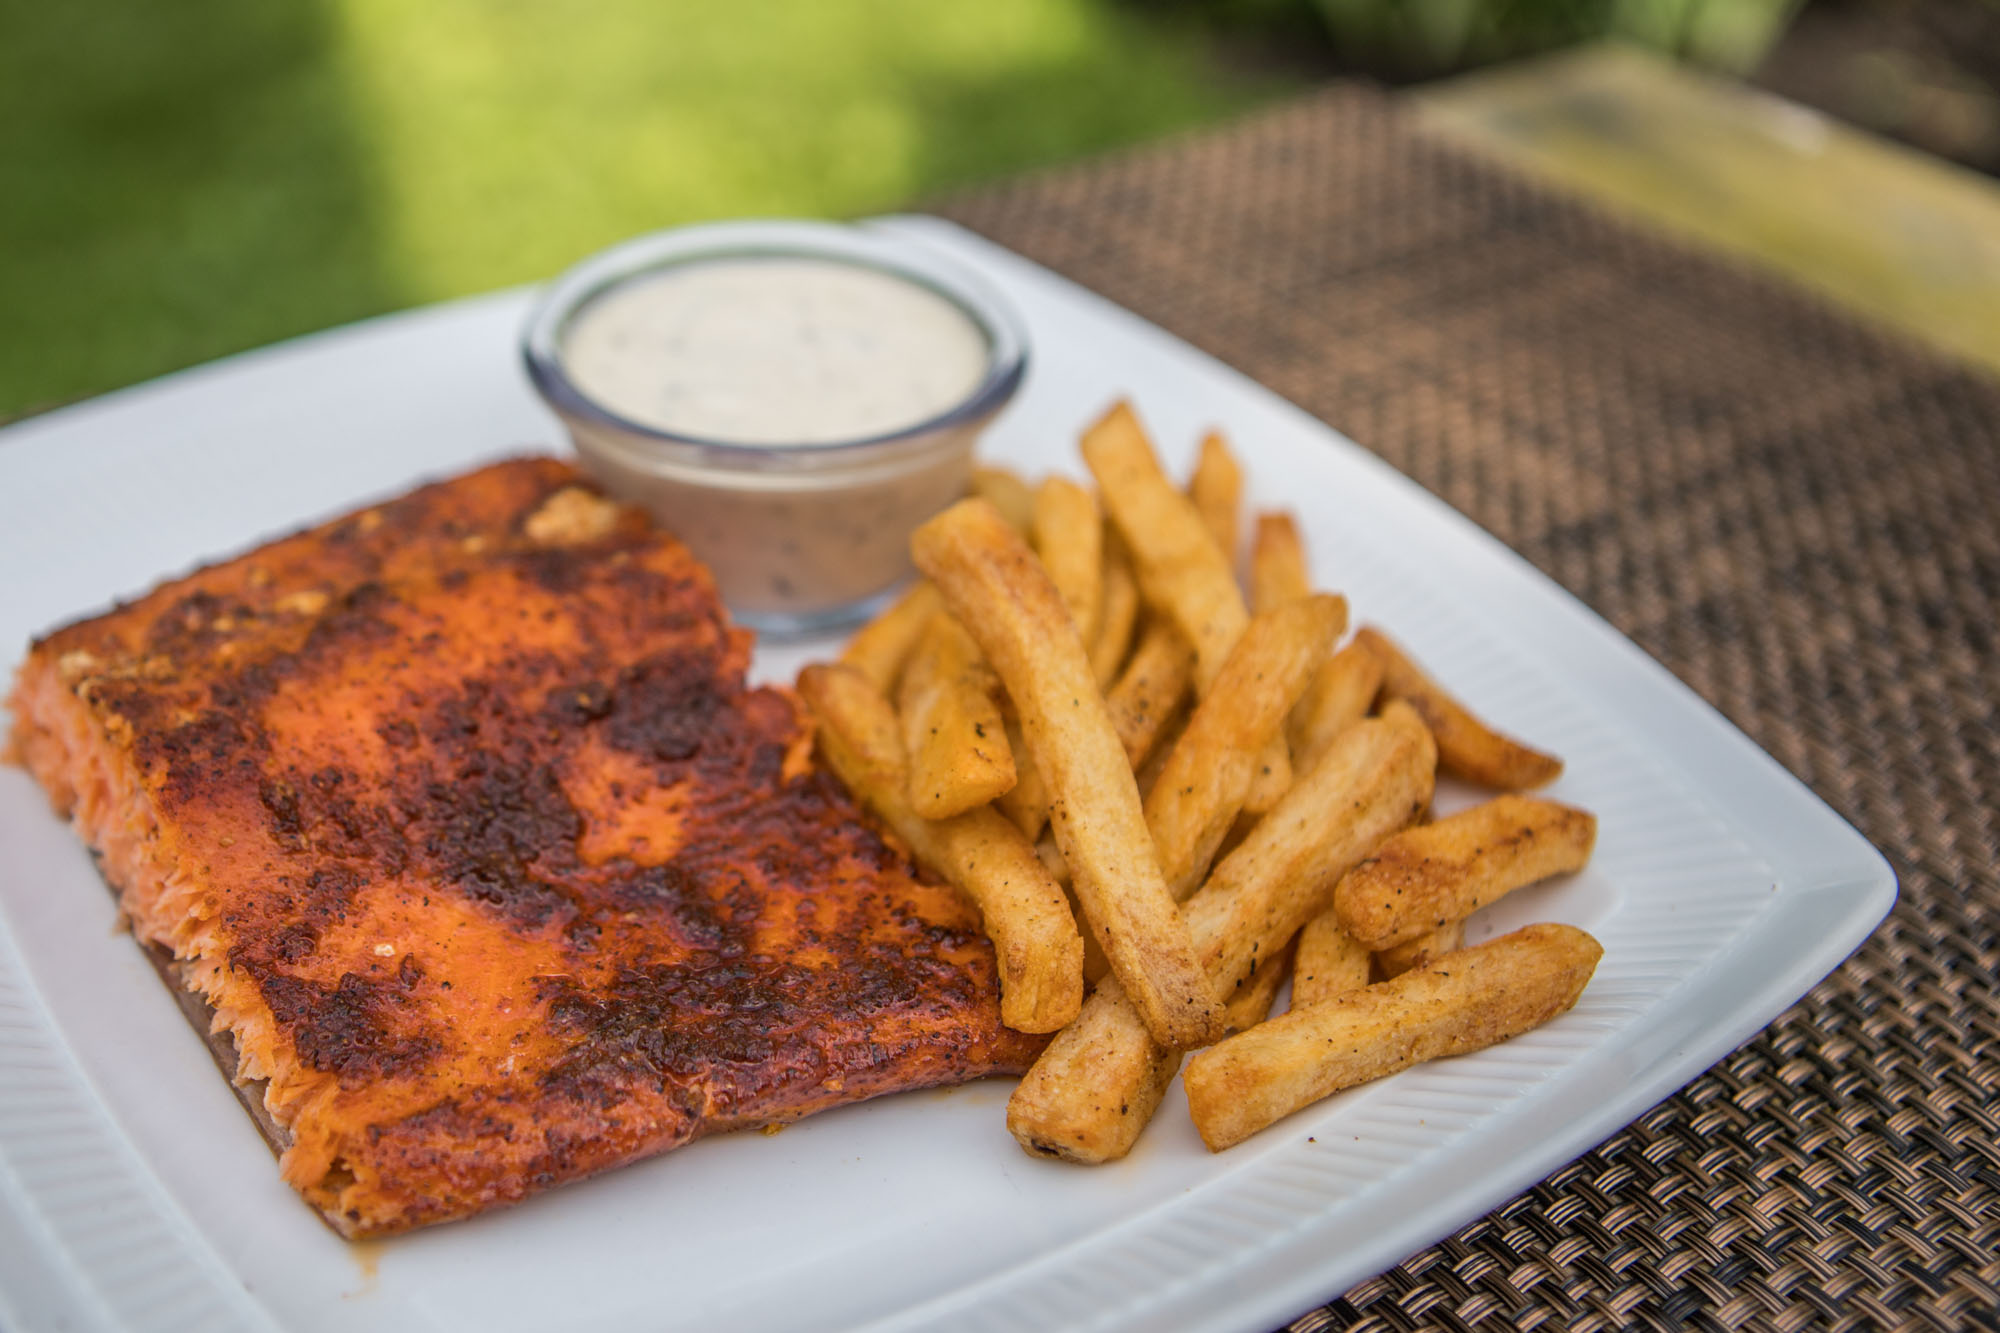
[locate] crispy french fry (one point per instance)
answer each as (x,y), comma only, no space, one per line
(1329,961)
(1006,492)
(1370,784)
(1217,491)
(1431,944)
(1395,710)
(1095,1086)
(1462,1002)
(1208,773)
(1096,967)
(1148,776)
(1277,563)
(1027,804)
(1069,538)
(1149,692)
(1026,914)
(952,732)
(1052,861)
(1182,571)
(1092,1090)
(880,648)
(1244,825)
(1427,877)
(1467,747)
(1120,611)
(1272,777)
(1345,685)
(1027,801)
(1246,745)
(992,582)
(1252,1004)
(1408,716)
(1338,697)
(1275,772)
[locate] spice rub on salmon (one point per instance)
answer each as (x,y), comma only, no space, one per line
(460,816)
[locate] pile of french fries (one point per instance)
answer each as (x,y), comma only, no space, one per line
(1167,796)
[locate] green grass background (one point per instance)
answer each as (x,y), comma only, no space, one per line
(181,179)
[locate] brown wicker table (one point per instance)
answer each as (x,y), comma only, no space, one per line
(1799,515)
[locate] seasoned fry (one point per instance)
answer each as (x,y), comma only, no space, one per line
(1252,1004)
(1052,860)
(1425,947)
(1462,1002)
(1277,563)
(1217,491)
(992,582)
(1338,697)
(1467,747)
(1149,692)
(1273,775)
(1095,1086)
(1091,1092)
(1095,966)
(1408,716)
(1182,571)
(880,648)
(1345,685)
(1208,773)
(1373,782)
(1428,877)
(1238,831)
(1006,492)
(1120,611)
(1027,801)
(952,732)
(1103,729)
(1148,775)
(1329,962)
(1069,538)
(1026,913)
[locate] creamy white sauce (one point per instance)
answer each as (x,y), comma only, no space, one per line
(775,351)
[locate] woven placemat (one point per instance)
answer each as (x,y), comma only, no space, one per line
(1798,514)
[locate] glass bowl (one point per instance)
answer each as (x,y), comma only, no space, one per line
(801,537)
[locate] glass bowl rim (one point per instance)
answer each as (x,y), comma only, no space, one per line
(576,287)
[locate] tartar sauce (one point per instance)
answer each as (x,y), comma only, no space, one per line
(775,350)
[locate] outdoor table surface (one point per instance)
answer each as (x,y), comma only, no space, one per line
(1793,508)
(1897,234)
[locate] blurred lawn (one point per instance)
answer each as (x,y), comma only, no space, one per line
(180,179)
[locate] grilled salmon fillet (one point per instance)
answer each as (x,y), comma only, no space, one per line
(459,815)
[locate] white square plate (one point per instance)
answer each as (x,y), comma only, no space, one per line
(134,1192)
